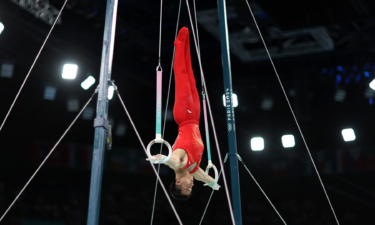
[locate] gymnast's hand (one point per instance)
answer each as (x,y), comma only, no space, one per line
(156,159)
(214,185)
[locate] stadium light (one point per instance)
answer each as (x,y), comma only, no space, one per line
(49,93)
(69,71)
(234,99)
(369,92)
(267,102)
(120,130)
(6,70)
(372,84)
(88,114)
(1,27)
(340,95)
(288,141)
(110,92)
(86,84)
(348,134)
(257,144)
(73,105)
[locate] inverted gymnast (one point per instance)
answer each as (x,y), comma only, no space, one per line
(188,148)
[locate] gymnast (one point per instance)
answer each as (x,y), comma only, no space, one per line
(188,148)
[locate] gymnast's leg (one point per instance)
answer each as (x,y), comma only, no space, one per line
(184,102)
(193,85)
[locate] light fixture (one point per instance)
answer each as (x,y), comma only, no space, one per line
(49,93)
(288,141)
(1,27)
(267,102)
(348,134)
(120,130)
(88,114)
(110,92)
(69,71)
(340,95)
(370,93)
(257,143)
(372,84)
(234,100)
(86,84)
(7,70)
(73,105)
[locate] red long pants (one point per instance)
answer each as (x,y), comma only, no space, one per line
(186,109)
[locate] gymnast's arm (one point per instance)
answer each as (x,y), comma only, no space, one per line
(175,161)
(202,176)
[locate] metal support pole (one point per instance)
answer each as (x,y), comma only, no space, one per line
(101,122)
(230,112)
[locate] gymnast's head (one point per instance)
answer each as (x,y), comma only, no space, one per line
(181,188)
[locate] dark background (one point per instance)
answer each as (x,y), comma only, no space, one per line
(59,193)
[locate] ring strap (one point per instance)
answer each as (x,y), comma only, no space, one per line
(159,75)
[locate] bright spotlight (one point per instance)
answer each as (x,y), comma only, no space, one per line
(110,92)
(86,84)
(348,134)
(257,144)
(1,27)
(372,84)
(288,141)
(234,99)
(70,71)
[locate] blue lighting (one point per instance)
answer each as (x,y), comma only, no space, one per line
(262,15)
(354,67)
(122,31)
(373,67)
(367,65)
(338,79)
(358,78)
(95,11)
(339,68)
(366,73)
(371,101)
(324,71)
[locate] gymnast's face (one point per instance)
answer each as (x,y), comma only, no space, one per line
(186,184)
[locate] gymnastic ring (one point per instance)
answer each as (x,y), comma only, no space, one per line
(162,141)
(210,165)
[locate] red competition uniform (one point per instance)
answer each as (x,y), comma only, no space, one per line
(186,109)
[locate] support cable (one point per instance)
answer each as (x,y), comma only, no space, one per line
(161,16)
(49,154)
(144,149)
(211,117)
(212,193)
(32,66)
(291,109)
(166,110)
(264,193)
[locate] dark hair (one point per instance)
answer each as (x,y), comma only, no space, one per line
(176,192)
